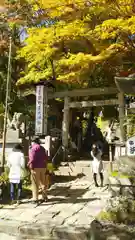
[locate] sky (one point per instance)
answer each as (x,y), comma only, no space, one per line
(23,30)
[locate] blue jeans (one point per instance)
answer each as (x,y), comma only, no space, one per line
(13,188)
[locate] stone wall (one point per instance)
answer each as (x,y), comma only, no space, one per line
(122,180)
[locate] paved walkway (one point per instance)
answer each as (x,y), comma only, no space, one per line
(72,206)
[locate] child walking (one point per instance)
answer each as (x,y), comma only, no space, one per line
(16,164)
(97,165)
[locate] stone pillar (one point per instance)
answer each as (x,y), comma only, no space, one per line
(65,124)
(122,116)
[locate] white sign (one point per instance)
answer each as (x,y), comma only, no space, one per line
(39,126)
(132,105)
(131,147)
(47,145)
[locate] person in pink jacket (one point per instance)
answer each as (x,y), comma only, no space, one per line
(37,164)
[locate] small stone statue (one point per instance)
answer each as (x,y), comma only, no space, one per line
(17,121)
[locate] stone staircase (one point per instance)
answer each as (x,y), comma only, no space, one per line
(72,207)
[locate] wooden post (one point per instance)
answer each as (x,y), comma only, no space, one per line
(122,116)
(65,125)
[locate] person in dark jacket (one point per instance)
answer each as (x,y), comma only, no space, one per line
(37,164)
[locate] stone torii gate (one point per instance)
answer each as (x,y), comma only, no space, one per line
(68,104)
(119,100)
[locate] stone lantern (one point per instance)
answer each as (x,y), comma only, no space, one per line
(126,84)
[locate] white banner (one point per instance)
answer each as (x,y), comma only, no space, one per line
(39,125)
(131,147)
(132,105)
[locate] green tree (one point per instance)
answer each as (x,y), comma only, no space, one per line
(13,16)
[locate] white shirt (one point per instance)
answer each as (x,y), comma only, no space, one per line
(16,163)
(47,145)
(97,164)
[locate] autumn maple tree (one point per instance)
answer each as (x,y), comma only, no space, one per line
(77,41)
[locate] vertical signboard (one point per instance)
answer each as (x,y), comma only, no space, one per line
(131,147)
(39,125)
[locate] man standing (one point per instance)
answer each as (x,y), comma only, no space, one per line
(37,164)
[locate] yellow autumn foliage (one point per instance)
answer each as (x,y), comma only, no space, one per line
(78,35)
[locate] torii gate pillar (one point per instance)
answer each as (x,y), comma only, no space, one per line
(122,116)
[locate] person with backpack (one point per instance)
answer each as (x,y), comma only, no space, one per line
(97,164)
(37,164)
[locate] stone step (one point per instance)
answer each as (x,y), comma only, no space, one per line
(46,232)
(67,215)
(4,236)
(121,186)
